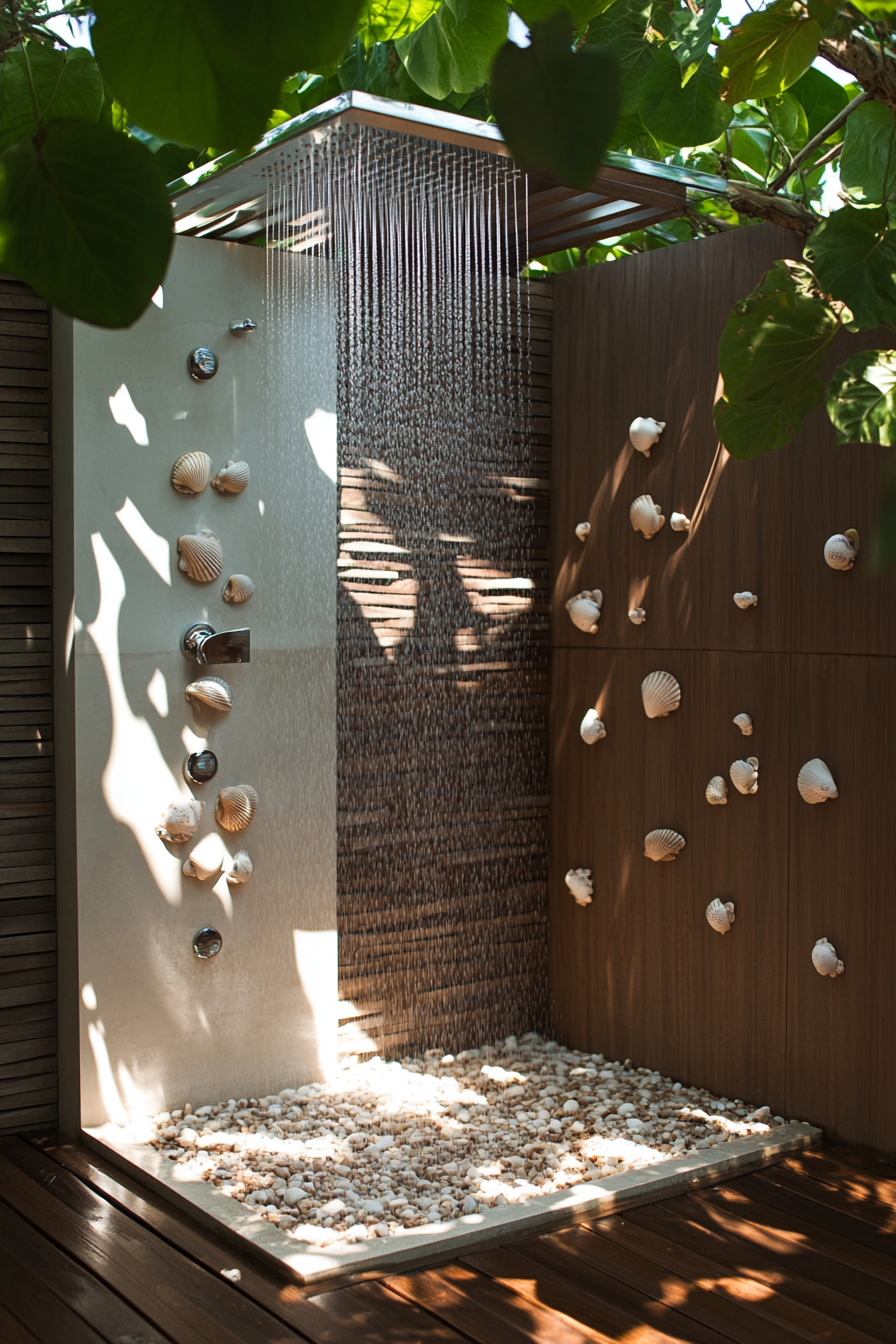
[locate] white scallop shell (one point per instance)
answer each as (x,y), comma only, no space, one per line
(207,859)
(744,723)
(191,473)
(236,806)
(644,432)
(744,775)
(584,610)
(680,522)
(180,821)
(201,556)
(238,588)
(580,885)
(660,693)
(840,551)
(232,479)
(637,615)
(744,600)
(591,728)
(663,845)
(212,692)
(825,959)
(717,791)
(815,782)
(582,530)
(645,516)
(241,868)
(719,915)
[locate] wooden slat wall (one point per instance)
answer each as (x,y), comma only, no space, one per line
(27,840)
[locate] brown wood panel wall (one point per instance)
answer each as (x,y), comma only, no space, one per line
(639,972)
(27,839)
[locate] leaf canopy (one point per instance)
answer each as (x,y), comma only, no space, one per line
(66,84)
(580,11)
(767,52)
(689,115)
(853,254)
(862,398)
(868,161)
(821,98)
(455,48)
(385,20)
(623,30)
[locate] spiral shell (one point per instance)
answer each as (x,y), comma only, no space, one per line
(582,530)
(645,516)
(238,588)
(663,845)
(680,522)
(637,615)
(241,868)
(578,880)
(180,821)
(825,959)
(744,723)
(744,775)
(232,479)
(744,600)
(236,806)
(207,859)
(660,693)
(201,556)
(815,782)
(719,915)
(644,432)
(212,692)
(717,791)
(191,473)
(840,551)
(584,610)
(591,729)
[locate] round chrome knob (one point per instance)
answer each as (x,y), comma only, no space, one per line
(202,364)
(200,767)
(207,943)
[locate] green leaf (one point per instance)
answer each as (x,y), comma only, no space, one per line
(789,120)
(767,52)
(208,72)
(623,30)
(862,398)
(449,54)
(877,10)
(868,161)
(693,32)
(66,85)
(385,20)
(822,98)
(631,134)
(751,146)
(556,109)
(85,220)
(693,115)
(853,254)
(580,11)
(771,357)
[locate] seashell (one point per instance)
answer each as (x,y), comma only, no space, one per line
(236,806)
(180,821)
(238,588)
(646,517)
(744,723)
(815,782)
(719,915)
(717,791)
(825,960)
(191,473)
(840,551)
(680,522)
(582,530)
(661,694)
(212,692)
(644,432)
(241,868)
(201,556)
(207,859)
(637,615)
(744,600)
(591,728)
(579,882)
(232,479)
(663,845)
(744,775)
(584,610)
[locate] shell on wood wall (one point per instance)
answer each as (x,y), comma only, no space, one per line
(663,845)
(241,868)
(644,432)
(191,473)
(680,522)
(645,516)
(206,859)
(232,479)
(637,615)
(744,600)
(815,782)
(591,729)
(578,880)
(180,821)
(582,530)
(825,959)
(213,692)
(744,775)
(236,806)
(584,610)
(720,915)
(744,723)
(717,791)
(660,693)
(238,588)
(840,550)
(201,556)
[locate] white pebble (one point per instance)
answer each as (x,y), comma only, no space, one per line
(570,1107)
(470,1205)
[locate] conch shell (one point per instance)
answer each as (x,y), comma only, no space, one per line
(236,806)
(584,610)
(646,517)
(660,693)
(232,479)
(825,959)
(191,473)
(201,556)
(212,692)
(180,821)
(238,588)
(637,615)
(744,775)
(591,728)
(579,882)
(644,432)
(815,782)
(744,723)
(680,522)
(840,551)
(744,600)
(717,791)
(719,915)
(207,859)
(662,846)
(582,530)
(241,868)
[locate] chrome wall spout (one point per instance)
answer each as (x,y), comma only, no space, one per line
(203,645)
(246,325)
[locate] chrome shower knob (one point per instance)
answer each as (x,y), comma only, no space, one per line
(202,364)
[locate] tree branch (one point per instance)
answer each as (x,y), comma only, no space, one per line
(761,204)
(871,66)
(833,125)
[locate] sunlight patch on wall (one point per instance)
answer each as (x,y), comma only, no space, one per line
(151,546)
(317,963)
(157,690)
(321,431)
(124,412)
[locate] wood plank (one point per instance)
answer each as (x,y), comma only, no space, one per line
(377,1316)
(39,1309)
(868,1182)
(12,1331)
(870,1225)
(32,1044)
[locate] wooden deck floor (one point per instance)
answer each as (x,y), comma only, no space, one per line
(804,1250)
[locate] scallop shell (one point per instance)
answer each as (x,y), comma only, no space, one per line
(232,479)
(191,473)
(744,723)
(644,432)
(663,845)
(840,551)
(212,692)
(825,959)
(201,556)
(207,859)
(236,806)
(241,868)
(815,782)
(580,885)
(582,530)
(238,588)
(584,610)
(717,791)
(719,915)
(744,600)
(637,615)
(645,516)
(680,522)
(744,775)
(661,694)
(180,821)
(591,728)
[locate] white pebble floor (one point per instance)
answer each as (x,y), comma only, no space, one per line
(384,1146)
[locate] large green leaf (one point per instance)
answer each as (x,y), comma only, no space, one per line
(65,85)
(85,220)
(623,31)
(862,398)
(692,115)
(868,161)
(208,72)
(455,53)
(878,10)
(693,32)
(771,357)
(751,147)
(853,254)
(384,20)
(788,118)
(821,97)
(580,11)
(556,109)
(767,52)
